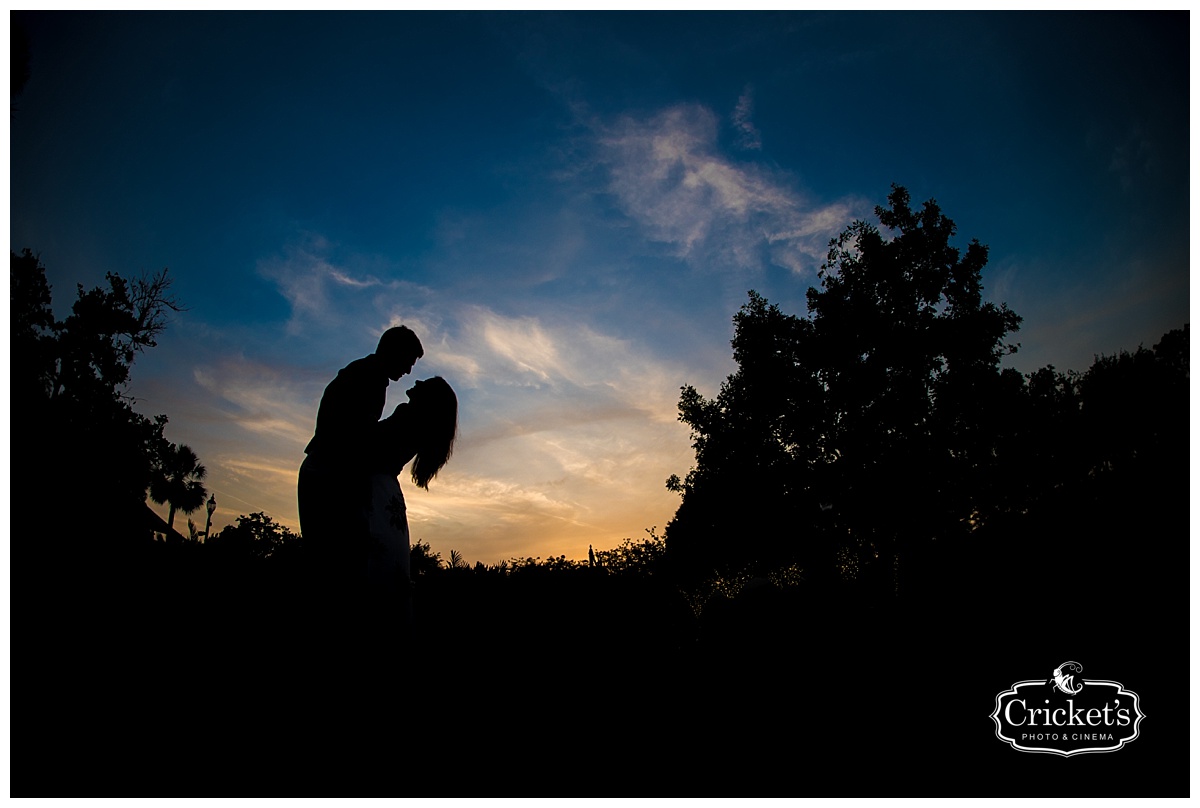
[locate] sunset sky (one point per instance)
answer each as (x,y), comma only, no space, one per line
(568,208)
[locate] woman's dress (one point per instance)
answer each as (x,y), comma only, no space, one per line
(387,580)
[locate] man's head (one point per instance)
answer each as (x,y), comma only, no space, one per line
(399,349)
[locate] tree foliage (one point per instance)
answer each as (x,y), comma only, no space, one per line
(640,558)
(254,536)
(422,559)
(863,441)
(178,480)
(69,405)
(847,435)
(1122,422)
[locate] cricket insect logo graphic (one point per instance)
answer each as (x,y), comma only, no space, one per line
(1059,716)
(1064,681)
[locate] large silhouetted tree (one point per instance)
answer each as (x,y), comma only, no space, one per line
(755,468)
(80,451)
(848,439)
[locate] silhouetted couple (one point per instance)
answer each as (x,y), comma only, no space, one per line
(352,513)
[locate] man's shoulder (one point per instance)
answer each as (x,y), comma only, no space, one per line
(362,369)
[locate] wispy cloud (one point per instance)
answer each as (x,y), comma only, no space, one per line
(337,276)
(748,135)
(261,399)
(322,292)
(666,172)
(564,360)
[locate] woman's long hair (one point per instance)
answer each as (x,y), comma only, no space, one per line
(438,406)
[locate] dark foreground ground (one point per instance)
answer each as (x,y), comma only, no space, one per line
(147,675)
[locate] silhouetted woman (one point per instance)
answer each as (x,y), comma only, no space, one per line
(421,430)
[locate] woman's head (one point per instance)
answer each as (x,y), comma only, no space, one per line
(437,408)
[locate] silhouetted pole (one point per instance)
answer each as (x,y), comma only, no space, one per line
(212,506)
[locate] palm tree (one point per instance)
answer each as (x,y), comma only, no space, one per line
(177,481)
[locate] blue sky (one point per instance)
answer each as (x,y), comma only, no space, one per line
(569,208)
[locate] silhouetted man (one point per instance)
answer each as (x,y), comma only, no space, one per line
(333,491)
